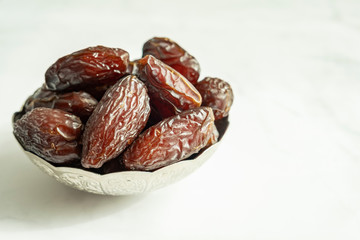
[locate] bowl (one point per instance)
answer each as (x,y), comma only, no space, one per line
(127,182)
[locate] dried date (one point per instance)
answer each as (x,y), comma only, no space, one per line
(173,55)
(217,94)
(116,121)
(214,137)
(52,134)
(92,66)
(171,140)
(169,91)
(97,91)
(80,103)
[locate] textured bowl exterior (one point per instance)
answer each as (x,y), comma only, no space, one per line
(122,183)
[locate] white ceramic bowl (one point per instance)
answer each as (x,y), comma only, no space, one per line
(127,182)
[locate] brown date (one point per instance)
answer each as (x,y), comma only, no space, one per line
(170,93)
(214,137)
(80,103)
(97,91)
(217,94)
(91,66)
(171,140)
(116,121)
(52,134)
(173,55)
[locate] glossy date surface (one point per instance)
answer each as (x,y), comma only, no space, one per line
(217,94)
(79,103)
(100,112)
(91,66)
(116,121)
(170,93)
(52,134)
(173,55)
(171,140)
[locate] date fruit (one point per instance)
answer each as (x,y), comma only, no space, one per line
(217,94)
(97,91)
(80,103)
(214,137)
(170,53)
(91,66)
(52,134)
(170,140)
(100,112)
(116,121)
(170,93)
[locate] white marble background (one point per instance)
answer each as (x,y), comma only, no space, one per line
(289,167)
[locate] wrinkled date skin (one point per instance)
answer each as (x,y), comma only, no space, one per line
(52,134)
(171,140)
(169,91)
(116,121)
(214,137)
(173,55)
(217,94)
(80,103)
(92,66)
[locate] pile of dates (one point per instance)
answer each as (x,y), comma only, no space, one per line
(98,110)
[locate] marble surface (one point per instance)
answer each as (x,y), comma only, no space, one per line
(289,167)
